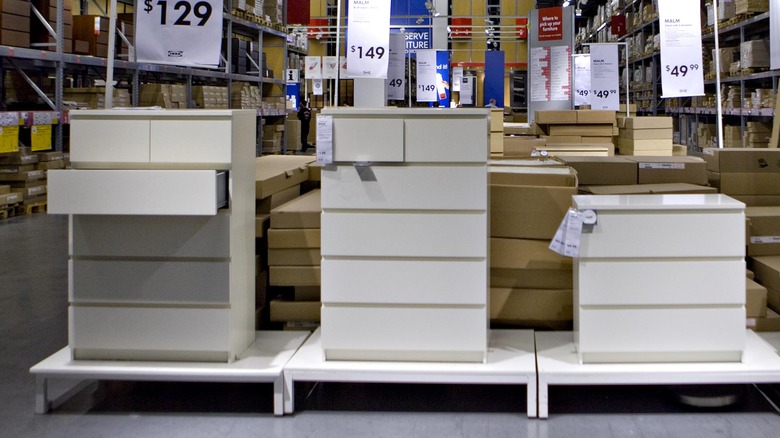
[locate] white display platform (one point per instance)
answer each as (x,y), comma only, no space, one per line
(263,361)
(510,361)
(558,364)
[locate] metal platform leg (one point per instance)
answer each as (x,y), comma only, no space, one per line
(279,395)
(543,388)
(531,394)
(289,393)
(42,404)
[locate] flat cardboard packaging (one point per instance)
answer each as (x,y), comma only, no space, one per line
(526,254)
(262,223)
(742,160)
(527,162)
(646,134)
(294,257)
(755,299)
(496,142)
(274,173)
(603,170)
(648,144)
(584,130)
(532,278)
(528,306)
(294,275)
(758,200)
(295,310)
(764,231)
(518,129)
(648,122)
(11,198)
(31,191)
(578,150)
(547,117)
(277,199)
(563,138)
(659,170)
(30,175)
(746,183)
(773,299)
(294,238)
(46,165)
(315,172)
(50,156)
(770,323)
(668,152)
(307,293)
(519,176)
(527,212)
(638,189)
(595,116)
(497,120)
(4,189)
(767,270)
(597,139)
(679,150)
(521,146)
(302,212)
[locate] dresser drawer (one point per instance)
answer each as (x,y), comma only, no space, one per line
(404,281)
(148,282)
(106,140)
(146,333)
(136,192)
(404,333)
(661,282)
(447,139)
(359,139)
(404,234)
(191,140)
(405,187)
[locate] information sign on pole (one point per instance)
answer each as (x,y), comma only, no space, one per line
(396,68)
(582,79)
(292,75)
(426,76)
(604,77)
(682,72)
(368,36)
(182,32)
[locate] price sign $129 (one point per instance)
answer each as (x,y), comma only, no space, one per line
(200,9)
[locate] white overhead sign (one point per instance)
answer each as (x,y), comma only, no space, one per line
(368,38)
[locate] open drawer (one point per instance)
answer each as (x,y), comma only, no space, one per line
(138,192)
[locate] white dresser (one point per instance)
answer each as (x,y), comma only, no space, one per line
(660,278)
(161,242)
(404,235)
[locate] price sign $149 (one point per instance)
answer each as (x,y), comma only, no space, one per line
(367,52)
(183,11)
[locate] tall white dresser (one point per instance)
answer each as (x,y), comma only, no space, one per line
(161,237)
(660,278)
(404,235)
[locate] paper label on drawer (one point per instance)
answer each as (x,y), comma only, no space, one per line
(764,239)
(675,166)
(324,139)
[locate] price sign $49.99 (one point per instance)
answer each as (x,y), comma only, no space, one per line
(185,32)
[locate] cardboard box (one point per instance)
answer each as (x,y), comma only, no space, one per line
(294,275)
(627,151)
(770,323)
(577,150)
(18,158)
(528,212)
(544,176)
(530,307)
(659,170)
(29,175)
(262,224)
(277,199)
(664,144)
(46,165)
(302,212)
(654,122)
(307,293)
(597,139)
(747,160)
(758,201)
(773,299)
(521,146)
(548,117)
(767,270)
(563,138)
(274,173)
(584,130)
(764,230)
(518,129)
(532,162)
(595,116)
(294,257)
(746,183)
(530,264)
(294,238)
(647,134)
(315,172)
(497,120)
(4,189)
(29,192)
(496,142)
(679,150)
(295,310)
(639,189)
(755,299)
(603,170)
(11,198)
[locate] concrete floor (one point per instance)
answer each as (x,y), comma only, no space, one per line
(33,325)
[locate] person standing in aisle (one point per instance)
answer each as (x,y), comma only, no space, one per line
(491,104)
(304,115)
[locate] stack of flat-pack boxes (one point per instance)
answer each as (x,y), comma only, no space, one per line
(763,247)
(92,29)
(530,285)
(405,235)
(294,260)
(576,132)
(757,135)
(496,131)
(520,140)
(168,96)
(751,6)
(749,175)
(15,23)
(754,54)
(38,32)
(648,136)
(25,175)
(652,284)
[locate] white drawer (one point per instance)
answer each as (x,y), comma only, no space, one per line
(627,282)
(191,140)
(133,192)
(358,139)
(145,333)
(669,234)
(109,140)
(407,187)
(447,139)
(136,282)
(404,234)
(661,335)
(151,236)
(404,282)
(404,333)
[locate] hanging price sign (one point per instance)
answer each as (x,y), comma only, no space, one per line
(681,60)
(180,32)
(368,34)
(396,68)
(426,76)
(604,77)
(581,79)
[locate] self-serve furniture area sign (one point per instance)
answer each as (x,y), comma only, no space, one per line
(179,32)
(550,24)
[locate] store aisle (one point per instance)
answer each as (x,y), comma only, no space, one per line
(33,325)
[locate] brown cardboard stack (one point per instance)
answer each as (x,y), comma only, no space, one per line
(648,136)
(245,96)
(38,32)
(759,317)
(757,135)
(663,170)
(15,23)
(576,132)
(92,29)
(763,231)
(273,10)
(272,138)
(168,96)
(531,286)
(95,97)
(754,54)
(750,175)
(294,259)
(292,132)
(210,97)
(520,140)
(727,56)
(18,171)
(732,136)
(767,271)
(751,6)
(496,130)
(8,199)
